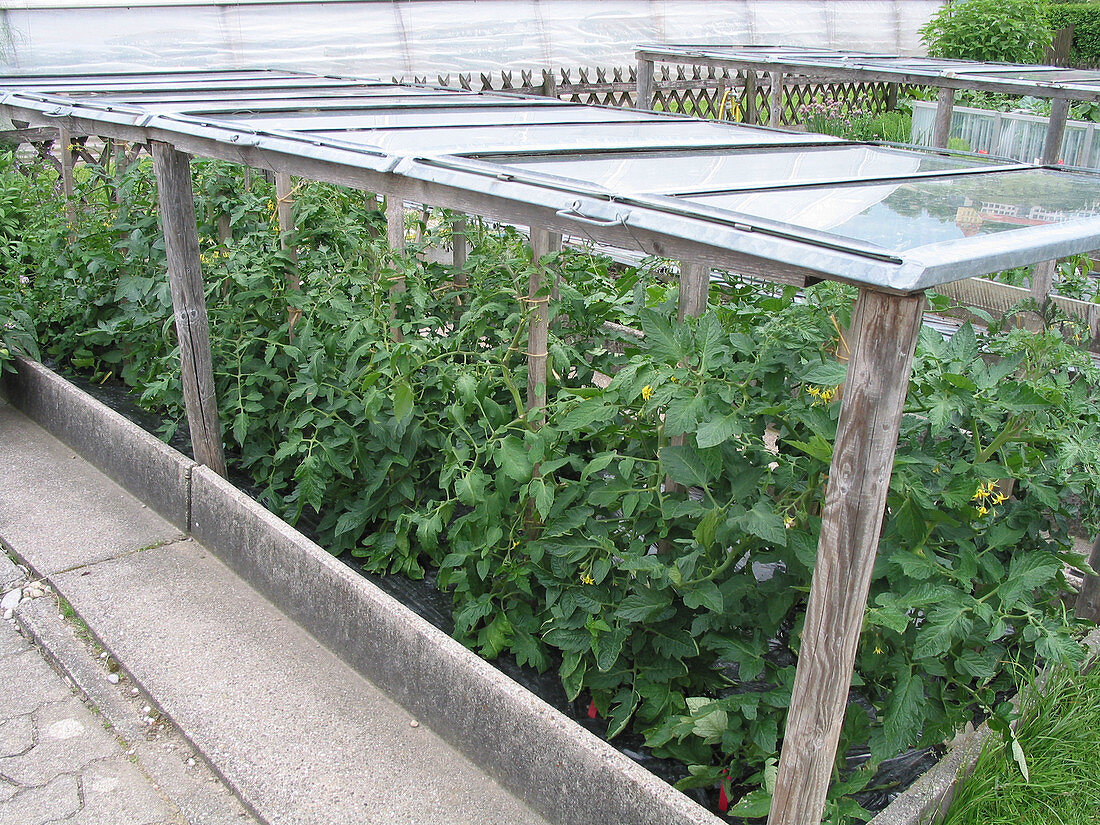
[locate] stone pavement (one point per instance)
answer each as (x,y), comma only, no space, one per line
(62,762)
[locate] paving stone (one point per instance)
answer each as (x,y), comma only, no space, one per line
(28,681)
(69,738)
(7,790)
(16,735)
(116,791)
(55,800)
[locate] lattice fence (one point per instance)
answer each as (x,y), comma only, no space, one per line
(691,90)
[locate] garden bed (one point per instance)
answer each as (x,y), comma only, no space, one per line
(566,537)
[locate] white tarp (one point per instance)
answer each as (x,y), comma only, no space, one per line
(387,38)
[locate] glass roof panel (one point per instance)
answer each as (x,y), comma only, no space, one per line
(439,118)
(260,96)
(907,214)
(700,171)
(554,137)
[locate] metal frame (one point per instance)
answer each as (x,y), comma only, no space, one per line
(832,65)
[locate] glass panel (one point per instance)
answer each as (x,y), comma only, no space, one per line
(536,138)
(132,90)
(304,95)
(901,216)
(439,118)
(698,171)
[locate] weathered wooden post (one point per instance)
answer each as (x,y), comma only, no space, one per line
(1042,276)
(1088,600)
(694,289)
(68,183)
(884,329)
(459,250)
(775,99)
(751,113)
(395,234)
(538,329)
(644,85)
(941,128)
(1042,281)
(1056,130)
(284,207)
(181,243)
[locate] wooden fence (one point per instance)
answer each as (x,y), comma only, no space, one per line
(690,90)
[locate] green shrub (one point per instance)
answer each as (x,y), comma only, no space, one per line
(1011,31)
(1085,19)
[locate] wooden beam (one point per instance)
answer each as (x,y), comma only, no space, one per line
(775,99)
(941,128)
(884,332)
(538,325)
(1088,600)
(181,243)
(1056,130)
(644,85)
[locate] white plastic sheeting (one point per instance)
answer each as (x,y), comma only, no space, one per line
(427,37)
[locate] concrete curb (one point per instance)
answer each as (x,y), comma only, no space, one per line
(546,759)
(143,465)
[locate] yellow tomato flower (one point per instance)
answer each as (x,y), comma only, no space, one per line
(587,579)
(647,392)
(1000,498)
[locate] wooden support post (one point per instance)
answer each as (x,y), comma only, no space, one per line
(68,183)
(395,234)
(775,99)
(884,329)
(538,327)
(751,114)
(555,246)
(644,80)
(1042,281)
(1088,600)
(1056,130)
(181,243)
(694,289)
(459,250)
(941,128)
(284,202)
(891,96)
(395,223)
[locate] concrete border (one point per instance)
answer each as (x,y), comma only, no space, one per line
(550,762)
(142,464)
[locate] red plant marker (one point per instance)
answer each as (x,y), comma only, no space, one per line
(592,712)
(723,800)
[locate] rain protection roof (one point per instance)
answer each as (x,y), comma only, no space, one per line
(1007,78)
(780,204)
